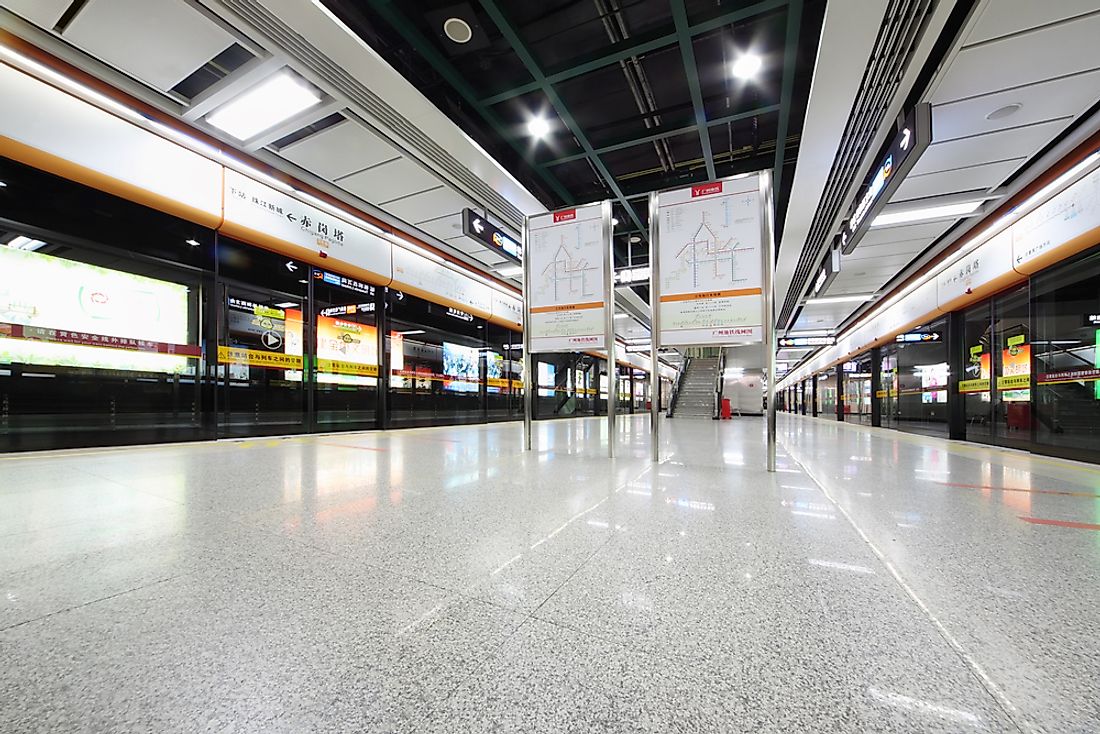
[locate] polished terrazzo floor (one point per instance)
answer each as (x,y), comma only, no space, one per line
(442,580)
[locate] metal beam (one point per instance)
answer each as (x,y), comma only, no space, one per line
(790,58)
(687,54)
(665,133)
(558,104)
(636,46)
(393,15)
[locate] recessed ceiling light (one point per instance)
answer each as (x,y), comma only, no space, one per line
(614,222)
(194,243)
(457,30)
(946,211)
(272,101)
(635,239)
(746,66)
(26,243)
(410,332)
(286,304)
(3,184)
(538,128)
(1002,112)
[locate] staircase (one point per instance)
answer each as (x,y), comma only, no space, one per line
(695,393)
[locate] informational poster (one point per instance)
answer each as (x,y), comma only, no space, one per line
(567,253)
(1015,379)
(66,313)
(710,263)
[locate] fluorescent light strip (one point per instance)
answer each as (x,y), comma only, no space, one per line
(947,211)
(26,244)
(863,298)
(80,90)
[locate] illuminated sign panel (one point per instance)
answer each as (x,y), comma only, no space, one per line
(807,341)
(910,142)
(66,313)
(477,227)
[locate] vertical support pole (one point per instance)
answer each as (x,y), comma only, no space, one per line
(609,335)
(956,368)
(876,386)
(654,332)
(768,252)
(528,363)
(813,396)
(840,392)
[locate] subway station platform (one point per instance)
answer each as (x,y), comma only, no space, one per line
(442,580)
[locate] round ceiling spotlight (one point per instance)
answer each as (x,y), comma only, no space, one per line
(747,66)
(538,128)
(1002,112)
(457,30)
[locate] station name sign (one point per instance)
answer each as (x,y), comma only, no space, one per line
(477,227)
(909,143)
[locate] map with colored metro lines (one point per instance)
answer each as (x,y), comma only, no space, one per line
(566,254)
(710,263)
(711,244)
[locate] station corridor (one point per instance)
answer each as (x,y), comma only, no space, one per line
(443,580)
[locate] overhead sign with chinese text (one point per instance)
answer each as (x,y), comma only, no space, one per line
(478,227)
(909,143)
(568,254)
(254,208)
(710,263)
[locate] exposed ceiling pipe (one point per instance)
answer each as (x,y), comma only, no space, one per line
(614,24)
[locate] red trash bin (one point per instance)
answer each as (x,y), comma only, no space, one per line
(726,413)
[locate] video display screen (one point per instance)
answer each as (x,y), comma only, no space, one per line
(343,347)
(460,363)
(65,313)
(546,380)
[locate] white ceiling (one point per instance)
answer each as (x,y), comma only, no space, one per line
(161,42)
(1041,56)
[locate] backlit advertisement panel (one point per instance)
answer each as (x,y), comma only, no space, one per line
(347,351)
(66,313)
(460,364)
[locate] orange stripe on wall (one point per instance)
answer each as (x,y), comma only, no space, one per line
(75,172)
(712,294)
(568,307)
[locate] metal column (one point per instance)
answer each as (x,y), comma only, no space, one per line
(767,243)
(876,386)
(528,363)
(609,335)
(654,332)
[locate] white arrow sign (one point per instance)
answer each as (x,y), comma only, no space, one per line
(905,139)
(291,266)
(478,226)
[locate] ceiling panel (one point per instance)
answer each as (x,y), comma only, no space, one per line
(997,146)
(1022,59)
(1002,17)
(922,231)
(824,315)
(45,13)
(445,227)
(389,180)
(886,249)
(159,41)
(340,150)
(427,205)
(1052,99)
(975,178)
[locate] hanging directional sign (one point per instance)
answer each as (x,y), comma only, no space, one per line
(476,226)
(807,341)
(909,143)
(918,336)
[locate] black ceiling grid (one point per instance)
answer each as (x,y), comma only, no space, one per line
(629,111)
